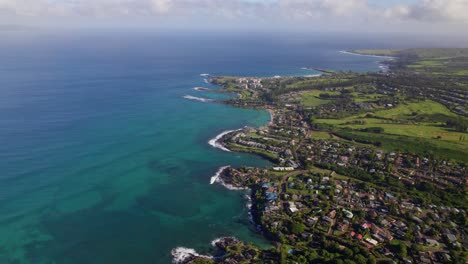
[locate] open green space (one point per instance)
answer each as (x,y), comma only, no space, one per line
(415,127)
(313,98)
(376,52)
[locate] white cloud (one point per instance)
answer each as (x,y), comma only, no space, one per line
(432,10)
(161,6)
(232,11)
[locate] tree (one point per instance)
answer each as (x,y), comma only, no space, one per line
(296,228)
(360,259)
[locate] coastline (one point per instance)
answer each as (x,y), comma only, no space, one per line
(272,117)
(367,55)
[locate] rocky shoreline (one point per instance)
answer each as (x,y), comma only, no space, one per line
(226,250)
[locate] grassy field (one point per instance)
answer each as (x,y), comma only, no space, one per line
(361,98)
(404,128)
(321,135)
(427,107)
(313,82)
(311,98)
(435,53)
(377,52)
(441,61)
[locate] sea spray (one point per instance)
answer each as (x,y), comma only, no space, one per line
(248,204)
(202,89)
(218,174)
(181,254)
(214,141)
(204,100)
(218,179)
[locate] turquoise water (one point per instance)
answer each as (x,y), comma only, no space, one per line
(104,161)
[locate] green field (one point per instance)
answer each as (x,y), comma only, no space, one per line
(427,107)
(361,97)
(376,52)
(404,127)
(312,83)
(435,61)
(321,135)
(312,98)
(431,53)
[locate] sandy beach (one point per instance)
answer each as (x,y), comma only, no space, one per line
(272,116)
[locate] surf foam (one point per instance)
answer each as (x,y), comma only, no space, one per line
(214,141)
(200,99)
(180,254)
(215,178)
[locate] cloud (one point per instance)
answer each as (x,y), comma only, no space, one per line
(432,10)
(232,11)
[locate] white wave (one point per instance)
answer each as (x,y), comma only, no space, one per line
(248,204)
(384,68)
(206,80)
(374,56)
(213,243)
(205,74)
(180,254)
(230,186)
(214,141)
(220,239)
(201,89)
(216,178)
(204,100)
(313,75)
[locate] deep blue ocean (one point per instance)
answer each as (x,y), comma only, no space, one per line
(103,160)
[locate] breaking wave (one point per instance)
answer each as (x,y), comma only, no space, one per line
(200,99)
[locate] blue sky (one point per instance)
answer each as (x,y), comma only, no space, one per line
(339,15)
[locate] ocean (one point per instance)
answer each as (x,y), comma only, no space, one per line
(105,157)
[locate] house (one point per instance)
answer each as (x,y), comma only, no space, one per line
(431,242)
(348,214)
(366,226)
(271,196)
(452,238)
(283,168)
(292,207)
(371,241)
